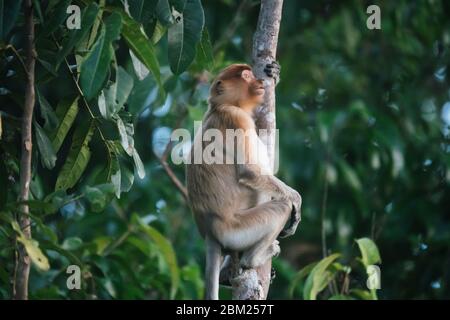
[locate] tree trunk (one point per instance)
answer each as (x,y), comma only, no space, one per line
(254,284)
(20,287)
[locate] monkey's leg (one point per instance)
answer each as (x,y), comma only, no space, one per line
(226,271)
(255,230)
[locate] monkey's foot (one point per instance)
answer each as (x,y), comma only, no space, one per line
(273,274)
(274,249)
(291,227)
(272,70)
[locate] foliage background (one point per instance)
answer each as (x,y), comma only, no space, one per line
(364,118)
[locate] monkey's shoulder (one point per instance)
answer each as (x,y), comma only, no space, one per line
(229,117)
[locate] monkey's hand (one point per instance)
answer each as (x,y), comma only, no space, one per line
(296,216)
(272,70)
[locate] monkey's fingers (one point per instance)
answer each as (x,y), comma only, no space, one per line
(272,70)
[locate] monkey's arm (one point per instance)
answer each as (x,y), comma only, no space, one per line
(250,176)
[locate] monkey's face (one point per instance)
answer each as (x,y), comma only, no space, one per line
(255,86)
(238,86)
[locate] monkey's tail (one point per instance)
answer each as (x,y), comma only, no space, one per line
(213,257)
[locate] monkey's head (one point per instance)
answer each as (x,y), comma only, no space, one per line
(237,85)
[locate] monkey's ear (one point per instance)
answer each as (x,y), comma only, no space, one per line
(246,75)
(219,87)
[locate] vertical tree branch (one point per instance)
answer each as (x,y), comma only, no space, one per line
(20,290)
(254,284)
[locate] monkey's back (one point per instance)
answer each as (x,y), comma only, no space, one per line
(213,189)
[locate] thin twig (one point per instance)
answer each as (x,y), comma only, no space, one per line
(22,272)
(80,92)
(163,160)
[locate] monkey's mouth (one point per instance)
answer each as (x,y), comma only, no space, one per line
(260,91)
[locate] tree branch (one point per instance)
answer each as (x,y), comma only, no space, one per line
(20,289)
(163,160)
(253,284)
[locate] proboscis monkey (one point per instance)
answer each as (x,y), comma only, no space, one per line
(226,197)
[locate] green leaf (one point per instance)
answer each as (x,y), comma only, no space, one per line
(141,46)
(142,10)
(143,94)
(95,66)
(126,179)
(69,255)
(78,35)
(45,229)
(72,243)
(184,34)
(97,199)
(123,135)
(361,294)
(139,165)
(350,176)
(112,99)
(38,10)
(66,111)
(340,297)
(319,277)
(114,174)
(139,68)
(163,13)
(369,251)
(124,84)
(77,159)
(166,249)
(299,276)
(32,248)
(57,17)
(47,112)
(39,206)
(48,155)
(158,31)
(204,51)
(9,11)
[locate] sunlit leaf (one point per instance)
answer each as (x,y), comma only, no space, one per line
(139,165)
(319,277)
(32,248)
(369,251)
(66,111)
(141,46)
(299,277)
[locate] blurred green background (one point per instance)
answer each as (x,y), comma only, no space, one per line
(364,119)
